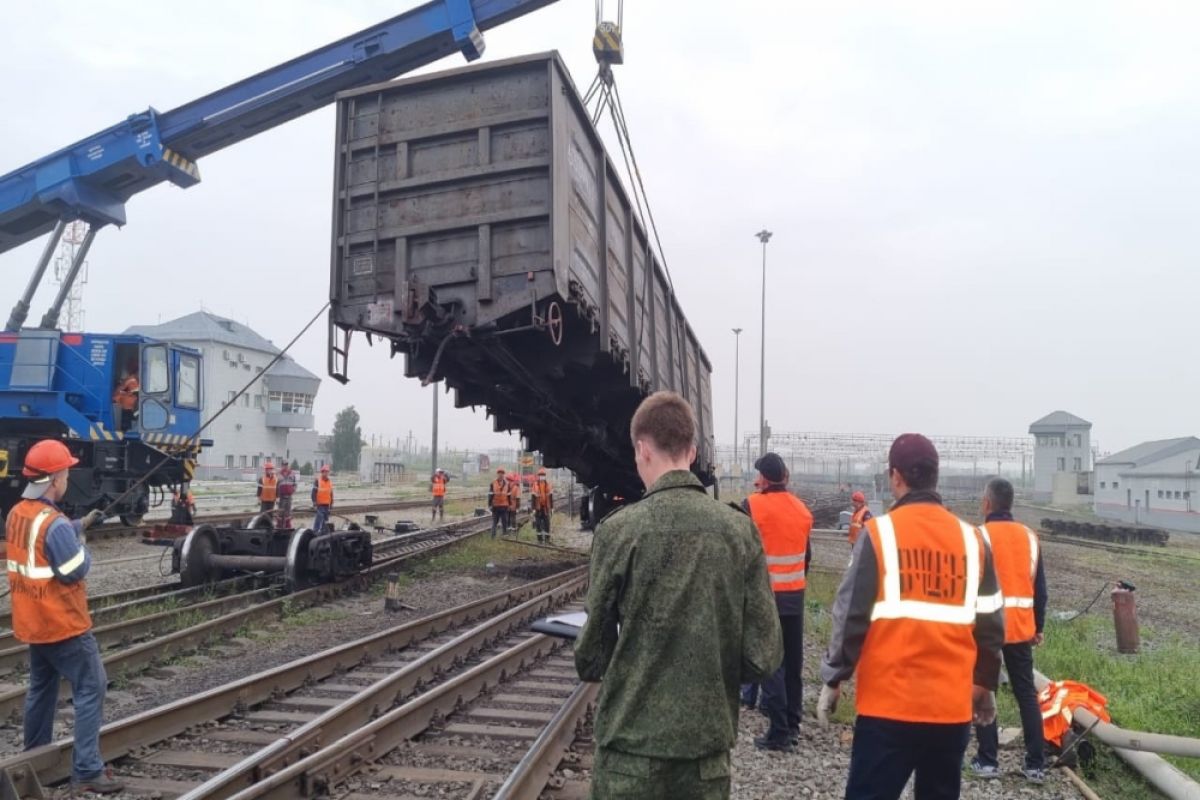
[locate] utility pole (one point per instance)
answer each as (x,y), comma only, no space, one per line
(433,446)
(764,236)
(737,385)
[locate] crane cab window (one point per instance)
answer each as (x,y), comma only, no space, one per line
(188,383)
(155,377)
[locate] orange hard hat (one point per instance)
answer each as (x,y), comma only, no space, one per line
(500,471)
(542,471)
(268,465)
(324,468)
(858,497)
(46,458)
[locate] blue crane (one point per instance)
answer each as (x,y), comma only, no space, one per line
(92,179)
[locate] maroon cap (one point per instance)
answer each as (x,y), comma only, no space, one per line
(912,450)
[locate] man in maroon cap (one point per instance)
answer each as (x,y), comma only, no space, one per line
(920,620)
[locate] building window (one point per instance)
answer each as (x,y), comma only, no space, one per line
(258,401)
(1160,494)
(229,462)
(1078,465)
(1062,465)
(1102,484)
(246,400)
(231,397)
(289,403)
(1116,485)
(256,462)
(1187,495)
(246,367)
(242,459)
(1177,497)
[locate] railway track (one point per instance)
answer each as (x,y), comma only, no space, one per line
(334,712)
(139,642)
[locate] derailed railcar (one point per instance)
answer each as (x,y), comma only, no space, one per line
(480,227)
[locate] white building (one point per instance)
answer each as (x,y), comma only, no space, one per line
(1151,484)
(1062,456)
(256,427)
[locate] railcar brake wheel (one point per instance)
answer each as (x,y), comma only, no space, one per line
(554,322)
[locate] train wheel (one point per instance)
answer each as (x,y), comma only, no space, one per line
(296,573)
(198,545)
(131,520)
(262,522)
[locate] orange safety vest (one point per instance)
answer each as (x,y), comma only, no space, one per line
(1015,554)
(439,486)
(784,523)
(186,500)
(500,493)
(857,521)
(541,495)
(918,658)
(268,489)
(1059,701)
(44,609)
(126,394)
(324,492)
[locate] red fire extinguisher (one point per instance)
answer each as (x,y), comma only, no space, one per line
(1125,617)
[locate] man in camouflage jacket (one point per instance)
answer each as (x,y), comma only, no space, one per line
(680,613)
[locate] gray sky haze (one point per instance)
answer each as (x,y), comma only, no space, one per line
(983,212)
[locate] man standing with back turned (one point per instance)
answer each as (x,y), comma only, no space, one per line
(47,563)
(1023,582)
(684,578)
(920,616)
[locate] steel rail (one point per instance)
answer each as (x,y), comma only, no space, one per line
(357,711)
(52,763)
(126,661)
(315,774)
(528,779)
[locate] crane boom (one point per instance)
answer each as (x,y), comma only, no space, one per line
(93,178)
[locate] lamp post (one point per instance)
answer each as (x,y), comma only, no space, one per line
(737,364)
(764,236)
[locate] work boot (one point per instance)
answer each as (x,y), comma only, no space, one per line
(986,771)
(763,743)
(104,783)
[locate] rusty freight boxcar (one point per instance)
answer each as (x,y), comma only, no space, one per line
(480,228)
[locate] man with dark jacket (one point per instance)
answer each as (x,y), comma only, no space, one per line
(680,612)
(919,621)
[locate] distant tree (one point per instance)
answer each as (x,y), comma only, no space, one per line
(307,469)
(296,464)
(346,444)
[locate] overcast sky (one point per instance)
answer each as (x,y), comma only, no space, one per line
(983,212)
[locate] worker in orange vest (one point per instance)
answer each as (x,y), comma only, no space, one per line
(47,562)
(859,518)
(126,397)
(322,498)
(438,488)
(498,502)
(268,488)
(920,617)
(183,506)
(784,523)
(541,500)
(1018,560)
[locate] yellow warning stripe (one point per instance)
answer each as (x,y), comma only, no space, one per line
(181,163)
(606,40)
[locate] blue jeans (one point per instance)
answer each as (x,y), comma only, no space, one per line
(76,660)
(321,518)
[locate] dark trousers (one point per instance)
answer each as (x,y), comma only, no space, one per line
(1018,660)
(499,515)
(783,692)
(750,694)
(266,505)
(886,752)
(76,660)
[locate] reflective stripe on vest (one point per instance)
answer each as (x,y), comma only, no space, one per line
(784,523)
(30,568)
(894,606)
(1016,586)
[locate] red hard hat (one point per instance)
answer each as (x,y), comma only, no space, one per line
(324,468)
(542,471)
(858,497)
(46,458)
(268,465)
(500,471)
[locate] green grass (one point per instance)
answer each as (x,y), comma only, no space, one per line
(477,552)
(1157,690)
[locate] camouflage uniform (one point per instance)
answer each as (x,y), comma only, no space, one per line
(686,578)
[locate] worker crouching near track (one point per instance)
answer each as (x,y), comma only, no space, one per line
(920,616)
(47,562)
(784,523)
(684,578)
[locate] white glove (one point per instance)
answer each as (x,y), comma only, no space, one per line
(827,702)
(91,519)
(983,706)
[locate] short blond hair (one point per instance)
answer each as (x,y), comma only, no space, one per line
(667,421)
